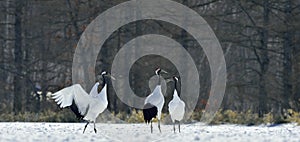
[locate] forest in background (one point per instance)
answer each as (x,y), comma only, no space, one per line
(260,42)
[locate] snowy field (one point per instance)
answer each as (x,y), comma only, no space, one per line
(58,132)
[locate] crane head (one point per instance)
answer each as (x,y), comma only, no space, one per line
(159,70)
(104,73)
(175,78)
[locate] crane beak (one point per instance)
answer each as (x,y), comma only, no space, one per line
(113,78)
(169,80)
(163,71)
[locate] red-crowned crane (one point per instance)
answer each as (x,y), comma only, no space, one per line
(154,103)
(85,106)
(176,106)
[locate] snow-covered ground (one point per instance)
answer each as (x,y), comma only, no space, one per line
(55,132)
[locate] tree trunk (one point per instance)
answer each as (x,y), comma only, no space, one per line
(264,61)
(287,58)
(18,53)
(296,72)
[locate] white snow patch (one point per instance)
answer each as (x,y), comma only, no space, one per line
(71,132)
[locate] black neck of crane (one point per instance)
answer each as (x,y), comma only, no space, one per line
(158,74)
(159,81)
(104,80)
(175,86)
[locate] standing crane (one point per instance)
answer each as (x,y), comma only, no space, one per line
(176,106)
(154,103)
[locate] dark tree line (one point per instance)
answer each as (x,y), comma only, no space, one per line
(260,41)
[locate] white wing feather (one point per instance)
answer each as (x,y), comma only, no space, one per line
(176,107)
(173,103)
(94,90)
(65,97)
(156,98)
(98,104)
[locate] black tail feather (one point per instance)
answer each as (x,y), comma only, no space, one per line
(149,112)
(74,108)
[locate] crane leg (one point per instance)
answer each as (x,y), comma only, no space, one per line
(85,126)
(95,127)
(179,126)
(159,126)
(151,127)
(174,126)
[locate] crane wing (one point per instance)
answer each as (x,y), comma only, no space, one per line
(76,93)
(94,91)
(172,106)
(156,97)
(176,104)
